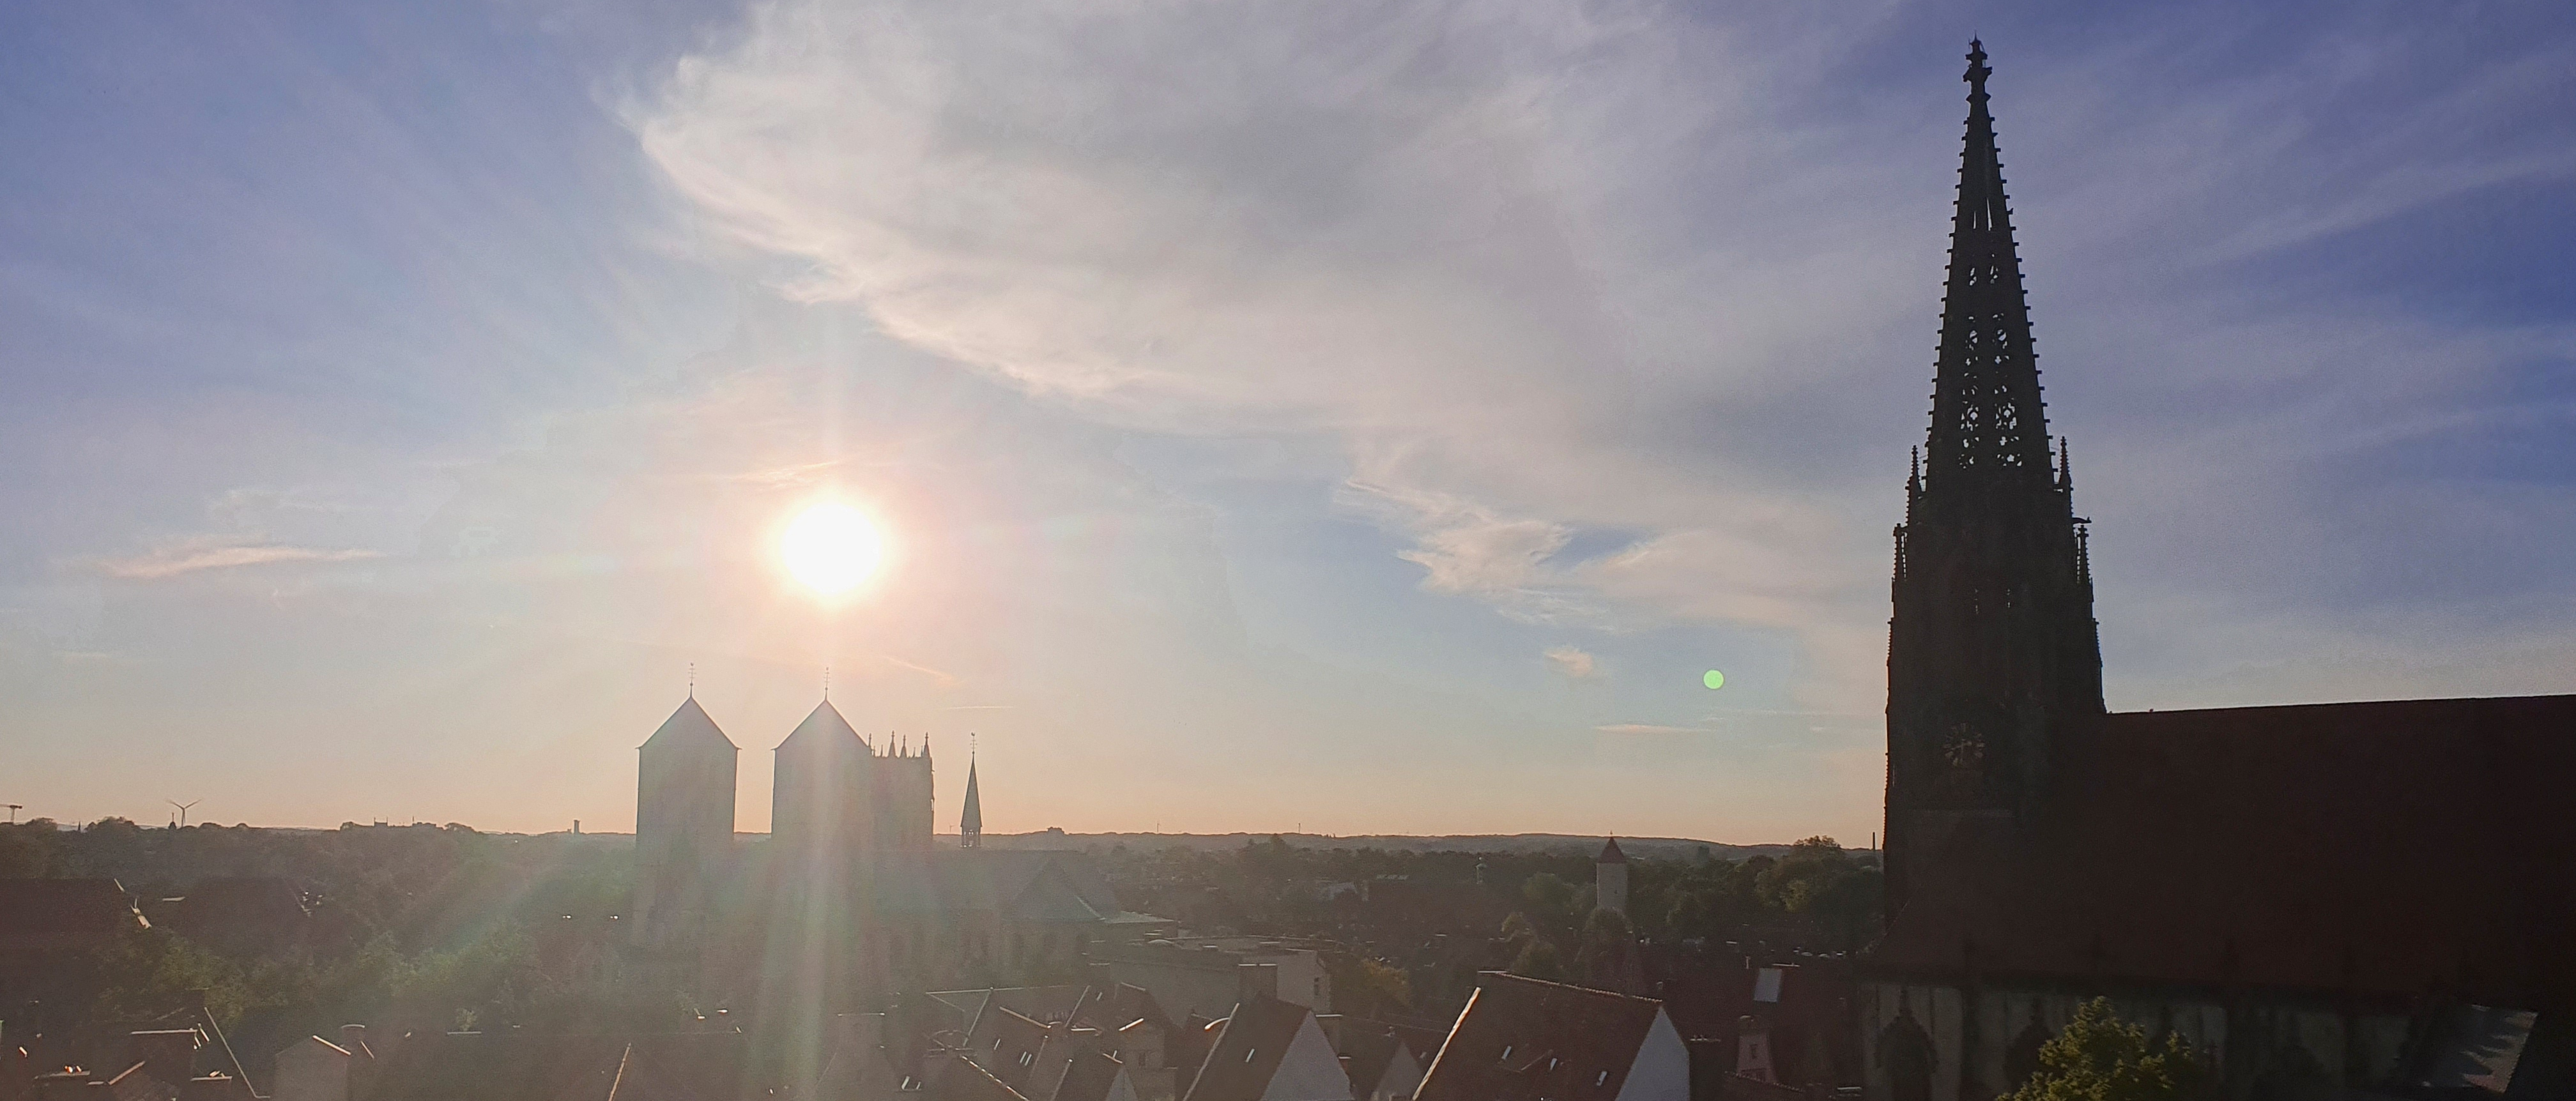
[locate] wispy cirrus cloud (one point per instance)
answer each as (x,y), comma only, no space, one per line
(1648,728)
(1572,661)
(1546,269)
(221,553)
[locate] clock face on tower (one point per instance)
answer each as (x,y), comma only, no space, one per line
(1964,749)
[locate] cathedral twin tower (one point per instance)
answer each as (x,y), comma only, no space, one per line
(840,809)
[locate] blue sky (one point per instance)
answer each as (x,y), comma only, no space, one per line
(1368,419)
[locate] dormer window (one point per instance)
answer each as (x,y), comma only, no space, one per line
(1603,1079)
(1249,1052)
(1507,1052)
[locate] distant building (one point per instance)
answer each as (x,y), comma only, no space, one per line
(2318,899)
(1209,976)
(1525,1040)
(847,901)
(1610,878)
(684,819)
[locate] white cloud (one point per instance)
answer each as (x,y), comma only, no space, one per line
(1542,270)
(1572,661)
(220,553)
(1648,728)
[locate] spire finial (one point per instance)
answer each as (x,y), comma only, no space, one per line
(827,684)
(1977,70)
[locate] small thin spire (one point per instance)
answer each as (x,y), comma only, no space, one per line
(827,684)
(693,680)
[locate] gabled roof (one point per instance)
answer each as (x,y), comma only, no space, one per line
(1122,1005)
(1249,1050)
(59,906)
(689,727)
(1610,854)
(1087,1078)
(1523,1038)
(1367,1049)
(823,726)
(2394,848)
(962,1080)
(1007,1043)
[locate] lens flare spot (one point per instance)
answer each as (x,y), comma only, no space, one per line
(1714,680)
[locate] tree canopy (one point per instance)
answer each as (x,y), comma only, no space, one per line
(2099,1057)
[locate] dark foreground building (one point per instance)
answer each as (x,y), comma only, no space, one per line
(2351,899)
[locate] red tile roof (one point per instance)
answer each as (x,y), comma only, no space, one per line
(2394,848)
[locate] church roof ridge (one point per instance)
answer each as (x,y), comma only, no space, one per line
(824,722)
(689,723)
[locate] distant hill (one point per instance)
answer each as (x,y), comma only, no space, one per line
(1648,848)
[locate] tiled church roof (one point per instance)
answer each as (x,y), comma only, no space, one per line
(2398,848)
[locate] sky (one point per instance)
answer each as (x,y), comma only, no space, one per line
(1347,418)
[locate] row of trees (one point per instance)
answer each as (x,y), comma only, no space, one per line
(1817,884)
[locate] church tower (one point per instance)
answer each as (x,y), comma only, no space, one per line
(684,784)
(1994,663)
(823,801)
(970,826)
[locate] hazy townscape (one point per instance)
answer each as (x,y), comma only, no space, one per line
(878,465)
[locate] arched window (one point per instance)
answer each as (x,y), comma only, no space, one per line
(1906,1054)
(2021,1060)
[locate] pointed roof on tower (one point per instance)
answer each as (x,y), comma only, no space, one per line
(972,822)
(1989,428)
(689,726)
(824,726)
(1610,854)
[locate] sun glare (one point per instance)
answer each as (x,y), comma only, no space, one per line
(831,548)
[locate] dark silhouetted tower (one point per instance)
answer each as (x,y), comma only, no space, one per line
(823,816)
(1994,663)
(684,788)
(970,826)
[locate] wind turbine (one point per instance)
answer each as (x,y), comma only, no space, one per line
(183,808)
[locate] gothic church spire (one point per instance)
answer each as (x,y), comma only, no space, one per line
(1988,426)
(970,826)
(1994,664)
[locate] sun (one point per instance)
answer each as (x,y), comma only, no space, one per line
(831,548)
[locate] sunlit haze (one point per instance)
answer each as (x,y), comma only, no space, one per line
(831,548)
